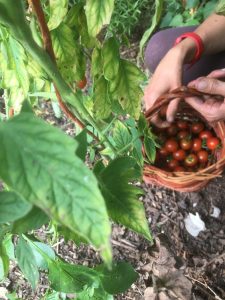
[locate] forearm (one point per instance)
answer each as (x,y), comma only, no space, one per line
(212,32)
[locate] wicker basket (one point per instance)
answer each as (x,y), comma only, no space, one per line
(186,181)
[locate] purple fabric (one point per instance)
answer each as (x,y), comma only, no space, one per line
(163,40)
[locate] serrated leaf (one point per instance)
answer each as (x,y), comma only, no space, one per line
(39,258)
(111,58)
(53,177)
(121,197)
(102,103)
(98,13)
(69,55)
(119,278)
(121,135)
(70,278)
(81,139)
(69,235)
(150,148)
(26,262)
(33,220)
(126,88)
(57,12)
(96,62)
(12,207)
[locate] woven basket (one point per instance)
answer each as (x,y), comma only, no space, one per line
(186,181)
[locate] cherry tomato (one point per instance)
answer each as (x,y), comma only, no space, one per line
(172,164)
(171,145)
(197,145)
(182,124)
(212,143)
(172,130)
(163,111)
(186,144)
(179,155)
(191,160)
(163,151)
(205,134)
(183,134)
(197,127)
(179,169)
(202,156)
(82,83)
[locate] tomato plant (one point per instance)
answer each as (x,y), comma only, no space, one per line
(45,49)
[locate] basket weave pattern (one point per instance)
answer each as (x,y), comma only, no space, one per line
(186,181)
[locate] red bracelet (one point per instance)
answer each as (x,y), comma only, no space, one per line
(198,43)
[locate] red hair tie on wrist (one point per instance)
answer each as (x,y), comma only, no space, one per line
(198,43)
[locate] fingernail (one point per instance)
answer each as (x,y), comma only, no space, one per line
(201,85)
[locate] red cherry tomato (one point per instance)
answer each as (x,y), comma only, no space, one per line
(205,134)
(203,156)
(197,145)
(182,124)
(171,145)
(197,127)
(183,134)
(163,151)
(179,169)
(179,155)
(172,164)
(172,130)
(212,143)
(82,83)
(191,160)
(186,144)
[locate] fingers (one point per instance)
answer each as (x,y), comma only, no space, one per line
(157,121)
(171,110)
(209,85)
(196,103)
(217,74)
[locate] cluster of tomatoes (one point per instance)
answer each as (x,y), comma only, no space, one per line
(186,147)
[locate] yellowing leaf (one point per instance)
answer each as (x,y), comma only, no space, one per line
(58,10)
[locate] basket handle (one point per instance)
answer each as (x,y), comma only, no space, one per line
(180,92)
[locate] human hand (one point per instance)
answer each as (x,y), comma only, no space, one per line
(166,77)
(211,108)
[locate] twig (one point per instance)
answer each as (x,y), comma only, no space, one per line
(48,47)
(215,258)
(206,286)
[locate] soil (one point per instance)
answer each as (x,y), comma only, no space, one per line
(175,266)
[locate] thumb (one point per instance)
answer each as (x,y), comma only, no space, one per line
(209,85)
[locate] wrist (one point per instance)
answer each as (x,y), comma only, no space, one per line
(186,49)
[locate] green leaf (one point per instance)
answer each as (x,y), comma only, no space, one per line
(70,278)
(98,13)
(126,88)
(52,296)
(154,22)
(69,56)
(32,221)
(26,262)
(121,197)
(121,135)
(4,263)
(96,62)
(81,138)
(48,174)
(102,103)
(111,58)
(150,148)
(177,21)
(9,246)
(37,249)
(71,236)
(12,207)
(119,278)
(58,10)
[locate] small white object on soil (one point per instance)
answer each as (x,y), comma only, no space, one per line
(216,212)
(194,224)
